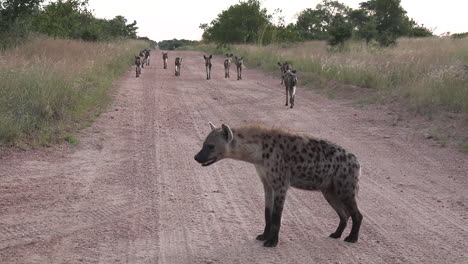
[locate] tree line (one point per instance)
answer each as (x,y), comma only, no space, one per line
(68,19)
(380,20)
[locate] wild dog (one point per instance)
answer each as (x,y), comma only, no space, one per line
(178,63)
(147,57)
(283,159)
(290,82)
(142,56)
(284,67)
(137,66)
(239,65)
(227,65)
(208,66)
(165,58)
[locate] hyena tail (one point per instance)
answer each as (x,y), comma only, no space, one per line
(356,189)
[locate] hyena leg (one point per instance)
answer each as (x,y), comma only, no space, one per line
(268,211)
(278,204)
(356,216)
(339,207)
(240,69)
(286,96)
(292,95)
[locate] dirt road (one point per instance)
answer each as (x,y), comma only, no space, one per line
(131,192)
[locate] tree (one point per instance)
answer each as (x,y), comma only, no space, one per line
(315,23)
(240,23)
(389,18)
(364,24)
(340,30)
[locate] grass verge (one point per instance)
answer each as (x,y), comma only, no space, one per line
(50,87)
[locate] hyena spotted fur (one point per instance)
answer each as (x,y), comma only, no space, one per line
(227,65)
(165,57)
(178,63)
(290,82)
(284,67)
(284,159)
(137,66)
(239,65)
(208,66)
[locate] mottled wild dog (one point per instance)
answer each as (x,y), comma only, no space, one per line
(142,57)
(178,63)
(208,66)
(147,56)
(137,66)
(239,65)
(165,58)
(284,67)
(290,82)
(283,159)
(227,65)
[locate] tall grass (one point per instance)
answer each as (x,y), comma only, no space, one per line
(428,73)
(50,86)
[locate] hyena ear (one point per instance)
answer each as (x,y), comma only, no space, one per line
(227,133)
(231,55)
(213,127)
(204,57)
(279,64)
(227,55)
(211,56)
(293,71)
(235,57)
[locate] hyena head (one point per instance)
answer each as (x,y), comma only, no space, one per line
(178,61)
(216,146)
(137,60)
(164,54)
(207,59)
(290,78)
(239,61)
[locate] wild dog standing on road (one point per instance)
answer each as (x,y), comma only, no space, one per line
(239,65)
(137,66)
(147,57)
(284,67)
(227,65)
(290,82)
(142,56)
(283,159)
(165,58)
(178,63)
(208,66)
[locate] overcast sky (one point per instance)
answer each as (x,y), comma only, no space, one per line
(168,19)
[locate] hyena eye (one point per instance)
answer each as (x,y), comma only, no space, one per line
(210,147)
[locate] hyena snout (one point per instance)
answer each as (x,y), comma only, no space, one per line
(215,147)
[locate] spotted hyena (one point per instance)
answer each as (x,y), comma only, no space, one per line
(239,65)
(283,159)
(227,65)
(208,66)
(165,57)
(290,82)
(284,67)
(137,66)
(178,63)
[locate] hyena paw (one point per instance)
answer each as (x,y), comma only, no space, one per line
(271,242)
(262,237)
(335,235)
(351,239)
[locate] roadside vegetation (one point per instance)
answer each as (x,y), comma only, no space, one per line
(57,64)
(50,87)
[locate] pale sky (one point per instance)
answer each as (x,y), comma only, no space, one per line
(168,19)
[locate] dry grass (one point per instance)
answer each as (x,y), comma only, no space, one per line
(428,73)
(49,86)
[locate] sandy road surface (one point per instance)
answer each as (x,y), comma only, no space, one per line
(131,192)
